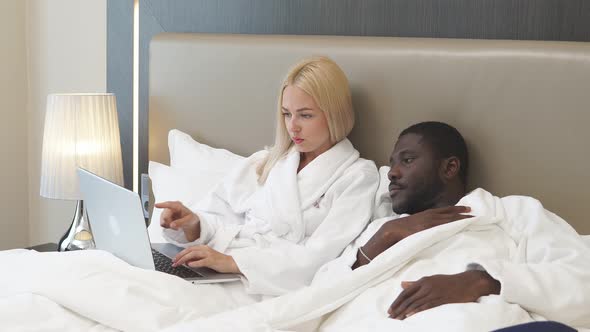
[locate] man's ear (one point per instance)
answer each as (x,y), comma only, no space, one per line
(450,167)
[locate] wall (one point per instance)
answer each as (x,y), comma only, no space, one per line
(66,53)
(13,127)
(481,19)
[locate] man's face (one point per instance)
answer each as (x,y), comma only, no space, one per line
(415,183)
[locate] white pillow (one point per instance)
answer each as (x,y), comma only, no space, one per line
(173,184)
(382,207)
(195,170)
(186,153)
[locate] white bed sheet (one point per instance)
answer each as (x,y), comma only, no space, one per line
(94,291)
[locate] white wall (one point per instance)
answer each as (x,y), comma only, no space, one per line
(13,126)
(66,53)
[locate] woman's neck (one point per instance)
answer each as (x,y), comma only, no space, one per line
(307,157)
(304,160)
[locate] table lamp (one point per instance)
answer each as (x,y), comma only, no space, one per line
(81,130)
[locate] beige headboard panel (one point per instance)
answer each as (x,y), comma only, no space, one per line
(523,107)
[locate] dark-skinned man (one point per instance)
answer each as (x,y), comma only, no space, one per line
(526,255)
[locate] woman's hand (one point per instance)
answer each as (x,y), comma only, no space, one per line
(204,256)
(178,216)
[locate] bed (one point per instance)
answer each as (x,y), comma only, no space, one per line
(522,106)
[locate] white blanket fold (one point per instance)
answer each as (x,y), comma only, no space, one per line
(99,290)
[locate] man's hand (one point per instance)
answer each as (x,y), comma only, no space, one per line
(178,216)
(401,228)
(436,290)
(398,229)
(204,256)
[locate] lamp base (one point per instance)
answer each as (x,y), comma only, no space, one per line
(79,235)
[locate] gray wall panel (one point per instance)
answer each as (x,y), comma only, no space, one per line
(120,75)
(487,19)
(482,19)
(149,26)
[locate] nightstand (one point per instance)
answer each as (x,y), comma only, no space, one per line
(45,247)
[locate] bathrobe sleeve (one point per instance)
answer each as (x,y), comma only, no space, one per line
(221,212)
(286,266)
(551,276)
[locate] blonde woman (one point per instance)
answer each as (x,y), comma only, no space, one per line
(287,210)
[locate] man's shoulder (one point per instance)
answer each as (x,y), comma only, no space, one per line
(361,171)
(483,194)
(363,165)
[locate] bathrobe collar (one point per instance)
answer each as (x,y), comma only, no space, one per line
(289,193)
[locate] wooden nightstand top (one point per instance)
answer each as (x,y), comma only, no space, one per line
(45,247)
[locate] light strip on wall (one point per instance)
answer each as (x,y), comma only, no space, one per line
(136,96)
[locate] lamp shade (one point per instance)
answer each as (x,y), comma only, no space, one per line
(81,130)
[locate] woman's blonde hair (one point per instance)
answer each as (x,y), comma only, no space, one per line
(326,83)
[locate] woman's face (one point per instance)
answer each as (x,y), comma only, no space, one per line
(305,122)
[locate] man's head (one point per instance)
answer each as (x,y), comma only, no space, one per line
(428,168)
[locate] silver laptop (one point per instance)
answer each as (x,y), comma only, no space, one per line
(116,219)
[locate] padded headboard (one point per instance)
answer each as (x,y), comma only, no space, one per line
(522,106)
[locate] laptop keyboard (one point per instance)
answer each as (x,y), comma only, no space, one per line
(164,264)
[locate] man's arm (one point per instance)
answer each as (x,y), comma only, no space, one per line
(551,275)
(436,290)
(552,279)
(396,230)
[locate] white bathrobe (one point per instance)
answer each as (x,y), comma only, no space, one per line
(542,264)
(280,233)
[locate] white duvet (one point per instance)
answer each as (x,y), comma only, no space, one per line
(510,237)
(77,291)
